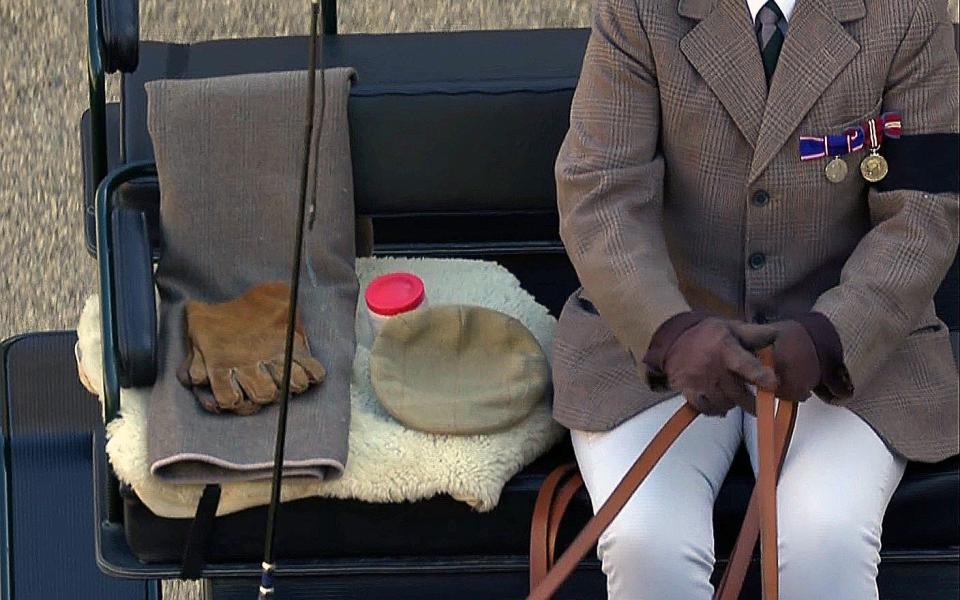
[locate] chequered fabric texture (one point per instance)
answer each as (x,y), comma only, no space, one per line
(673,131)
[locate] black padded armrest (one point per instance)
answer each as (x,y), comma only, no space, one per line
(135,301)
(120,29)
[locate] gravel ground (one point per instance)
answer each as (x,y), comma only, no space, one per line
(45,272)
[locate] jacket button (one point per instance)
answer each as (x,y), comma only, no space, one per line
(760,198)
(757,260)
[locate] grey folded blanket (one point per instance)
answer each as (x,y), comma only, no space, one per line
(229,152)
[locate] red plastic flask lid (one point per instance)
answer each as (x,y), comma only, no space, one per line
(394,293)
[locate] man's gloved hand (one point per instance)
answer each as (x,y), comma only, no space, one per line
(237,347)
(796,363)
(712,361)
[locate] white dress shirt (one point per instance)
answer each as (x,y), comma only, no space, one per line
(786,7)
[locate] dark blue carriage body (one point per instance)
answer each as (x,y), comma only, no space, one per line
(453,137)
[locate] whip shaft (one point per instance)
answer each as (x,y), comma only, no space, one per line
(266,578)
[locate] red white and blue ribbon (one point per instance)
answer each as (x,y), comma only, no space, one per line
(847,142)
(853,139)
(889,124)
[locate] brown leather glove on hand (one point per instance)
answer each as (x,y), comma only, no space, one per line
(711,362)
(237,347)
(795,360)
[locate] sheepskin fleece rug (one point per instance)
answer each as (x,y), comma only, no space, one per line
(387,462)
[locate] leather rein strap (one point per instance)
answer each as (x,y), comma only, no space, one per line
(560,486)
(736,571)
(587,537)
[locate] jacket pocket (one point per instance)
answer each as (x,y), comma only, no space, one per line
(580,337)
(929,328)
(585,304)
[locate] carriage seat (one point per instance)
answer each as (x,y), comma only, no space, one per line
(453,139)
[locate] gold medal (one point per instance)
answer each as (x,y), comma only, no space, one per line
(836,170)
(873,167)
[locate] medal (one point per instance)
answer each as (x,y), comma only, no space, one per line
(835,146)
(874,167)
(836,170)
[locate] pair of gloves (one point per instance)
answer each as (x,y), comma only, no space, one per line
(236,349)
(711,360)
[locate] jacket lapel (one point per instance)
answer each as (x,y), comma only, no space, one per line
(815,51)
(722,47)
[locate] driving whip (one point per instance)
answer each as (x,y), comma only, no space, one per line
(266,577)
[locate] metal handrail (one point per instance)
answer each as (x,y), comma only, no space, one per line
(96,84)
(329,23)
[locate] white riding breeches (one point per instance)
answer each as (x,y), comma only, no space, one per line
(836,482)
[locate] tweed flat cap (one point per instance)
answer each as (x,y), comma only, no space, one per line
(458,369)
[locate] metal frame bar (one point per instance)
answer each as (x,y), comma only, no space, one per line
(329,17)
(96,85)
(6,543)
(6,506)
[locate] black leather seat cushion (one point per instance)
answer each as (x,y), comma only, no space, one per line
(922,516)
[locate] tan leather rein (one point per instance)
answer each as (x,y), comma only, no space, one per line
(558,489)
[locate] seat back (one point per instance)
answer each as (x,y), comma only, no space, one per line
(453,135)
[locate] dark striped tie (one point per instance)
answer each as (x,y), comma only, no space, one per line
(770,27)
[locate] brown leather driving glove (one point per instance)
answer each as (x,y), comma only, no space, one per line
(237,347)
(795,361)
(711,362)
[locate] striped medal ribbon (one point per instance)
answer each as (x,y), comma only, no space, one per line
(874,167)
(834,145)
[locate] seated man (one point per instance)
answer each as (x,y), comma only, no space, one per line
(703,227)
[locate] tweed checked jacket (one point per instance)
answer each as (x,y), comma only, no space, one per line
(680,187)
